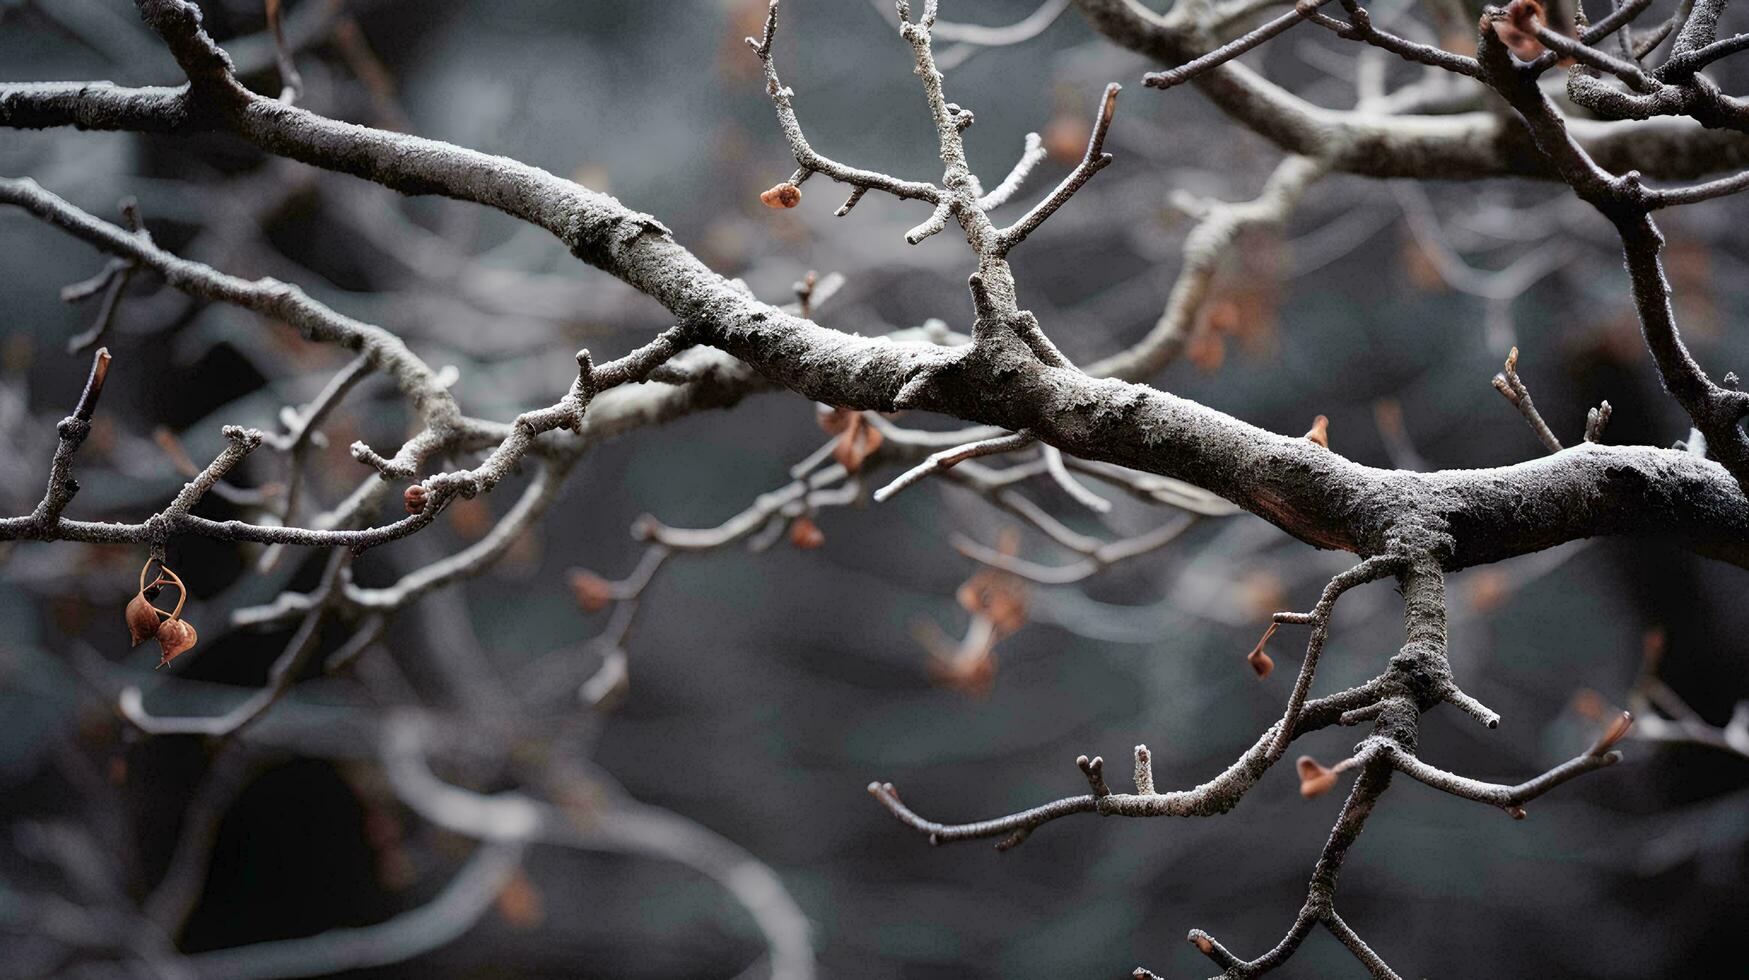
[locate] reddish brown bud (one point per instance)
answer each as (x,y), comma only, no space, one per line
(142,619)
(1315,780)
(805,534)
(1202,944)
(593,592)
(414,498)
(175,637)
(784,195)
(1258,659)
(1617,730)
(1320,431)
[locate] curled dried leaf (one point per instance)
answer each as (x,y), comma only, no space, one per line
(1260,660)
(1065,138)
(784,195)
(142,619)
(1315,779)
(856,443)
(973,673)
(175,637)
(998,596)
(593,592)
(1488,588)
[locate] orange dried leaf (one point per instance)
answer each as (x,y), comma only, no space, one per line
(470,518)
(784,195)
(1420,269)
(805,534)
(1260,592)
(1257,658)
(1590,704)
(1065,138)
(142,619)
(1207,351)
(856,443)
(593,592)
(997,596)
(1489,588)
(519,904)
(973,674)
(1315,779)
(175,637)
(1007,611)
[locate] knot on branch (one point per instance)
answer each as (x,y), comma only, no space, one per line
(1422,668)
(600,227)
(73,429)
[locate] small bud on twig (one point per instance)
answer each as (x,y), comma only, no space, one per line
(1320,431)
(414,498)
(1094,770)
(1144,771)
(1617,730)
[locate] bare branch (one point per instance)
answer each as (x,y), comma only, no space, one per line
(1093,161)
